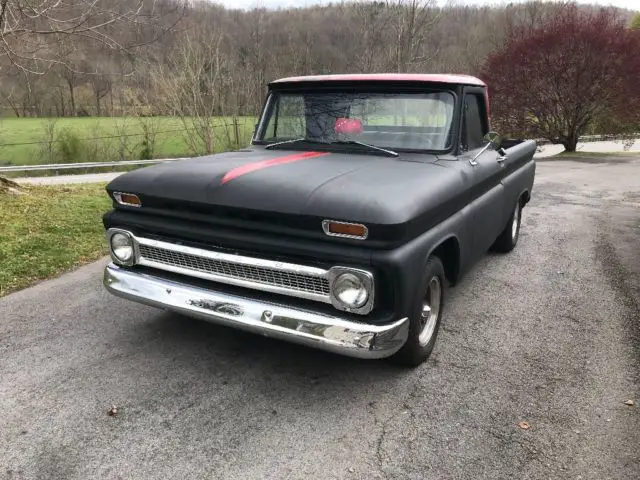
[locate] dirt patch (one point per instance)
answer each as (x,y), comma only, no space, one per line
(10,187)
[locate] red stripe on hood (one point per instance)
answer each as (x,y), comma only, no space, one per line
(252,167)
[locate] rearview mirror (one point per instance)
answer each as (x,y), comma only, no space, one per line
(494,139)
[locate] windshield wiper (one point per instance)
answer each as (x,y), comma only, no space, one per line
(368,145)
(337,142)
(295,140)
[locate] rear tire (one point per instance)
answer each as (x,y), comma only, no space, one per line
(424,321)
(508,239)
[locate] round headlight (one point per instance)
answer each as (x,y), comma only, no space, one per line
(350,290)
(122,247)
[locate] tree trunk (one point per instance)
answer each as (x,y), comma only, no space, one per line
(570,143)
(14,108)
(98,104)
(73,99)
(62,107)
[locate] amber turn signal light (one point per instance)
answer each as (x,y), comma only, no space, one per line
(344,229)
(128,199)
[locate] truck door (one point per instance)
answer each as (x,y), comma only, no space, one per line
(486,195)
(518,169)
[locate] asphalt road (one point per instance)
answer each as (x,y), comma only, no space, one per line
(69,179)
(549,334)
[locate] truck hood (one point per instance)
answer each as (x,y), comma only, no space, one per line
(354,187)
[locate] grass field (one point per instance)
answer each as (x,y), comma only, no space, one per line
(47,230)
(25,141)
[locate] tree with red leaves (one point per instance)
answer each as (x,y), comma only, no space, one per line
(558,79)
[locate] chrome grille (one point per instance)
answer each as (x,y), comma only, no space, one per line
(295,280)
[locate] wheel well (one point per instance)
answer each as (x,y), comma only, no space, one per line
(449,254)
(524,198)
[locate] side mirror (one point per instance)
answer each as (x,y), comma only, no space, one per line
(494,139)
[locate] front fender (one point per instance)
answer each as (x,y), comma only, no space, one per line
(405,264)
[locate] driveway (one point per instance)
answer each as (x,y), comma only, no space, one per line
(548,335)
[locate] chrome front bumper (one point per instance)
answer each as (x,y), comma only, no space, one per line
(313,329)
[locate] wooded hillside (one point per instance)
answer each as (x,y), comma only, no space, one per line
(147,57)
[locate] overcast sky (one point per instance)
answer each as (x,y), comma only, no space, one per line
(630,4)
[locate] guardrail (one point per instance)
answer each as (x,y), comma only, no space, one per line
(70,166)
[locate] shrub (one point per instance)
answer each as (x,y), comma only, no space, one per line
(149,126)
(48,144)
(71,148)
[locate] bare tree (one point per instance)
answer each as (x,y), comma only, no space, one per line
(73,77)
(101,86)
(257,60)
(149,126)
(370,19)
(411,20)
(30,29)
(10,92)
(122,126)
(189,85)
(48,141)
(102,70)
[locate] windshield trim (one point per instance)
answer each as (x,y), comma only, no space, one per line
(273,92)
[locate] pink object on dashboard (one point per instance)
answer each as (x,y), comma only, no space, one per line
(348,126)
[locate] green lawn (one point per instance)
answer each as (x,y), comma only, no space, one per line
(25,141)
(47,230)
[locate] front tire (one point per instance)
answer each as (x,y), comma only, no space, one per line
(424,322)
(508,239)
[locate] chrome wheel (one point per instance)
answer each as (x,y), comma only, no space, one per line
(430,310)
(516,220)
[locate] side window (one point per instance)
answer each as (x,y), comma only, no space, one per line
(473,128)
(288,121)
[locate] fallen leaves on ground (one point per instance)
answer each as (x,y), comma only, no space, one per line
(113,411)
(631,403)
(524,425)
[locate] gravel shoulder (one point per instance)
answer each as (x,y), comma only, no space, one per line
(549,334)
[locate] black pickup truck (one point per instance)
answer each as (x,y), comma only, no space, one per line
(359,200)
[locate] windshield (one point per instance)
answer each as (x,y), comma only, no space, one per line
(397,121)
